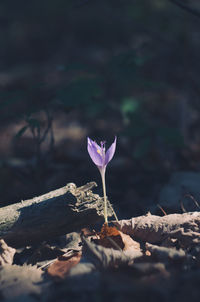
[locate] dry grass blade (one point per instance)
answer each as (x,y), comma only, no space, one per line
(191,198)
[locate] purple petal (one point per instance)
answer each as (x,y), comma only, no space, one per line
(91,142)
(93,147)
(110,152)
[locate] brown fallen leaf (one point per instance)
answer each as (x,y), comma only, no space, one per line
(110,237)
(103,257)
(129,243)
(61,267)
(107,231)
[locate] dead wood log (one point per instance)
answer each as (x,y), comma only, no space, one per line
(55,213)
(154,229)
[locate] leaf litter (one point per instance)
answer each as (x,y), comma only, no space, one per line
(147,255)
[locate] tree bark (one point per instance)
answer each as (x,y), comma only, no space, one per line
(58,212)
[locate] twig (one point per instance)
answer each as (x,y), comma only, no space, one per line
(159,206)
(192,198)
(182,206)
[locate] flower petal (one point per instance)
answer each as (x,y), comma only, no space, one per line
(110,152)
(91,142)
(93,149)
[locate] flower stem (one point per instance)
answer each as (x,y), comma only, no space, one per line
(105,198)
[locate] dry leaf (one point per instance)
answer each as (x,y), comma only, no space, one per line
(154,229)
(162,253)
(107,257)
(110,237)
(107,231)
(61,267)
(6,253)
(18,280)
(129,243)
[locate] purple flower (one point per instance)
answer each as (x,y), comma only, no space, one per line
(101,158)
(99,155)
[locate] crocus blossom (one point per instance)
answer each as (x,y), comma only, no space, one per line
(101,158)
(99,155)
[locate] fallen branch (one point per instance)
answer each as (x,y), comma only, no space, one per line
(55,213)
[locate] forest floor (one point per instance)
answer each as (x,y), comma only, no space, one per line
(146,257)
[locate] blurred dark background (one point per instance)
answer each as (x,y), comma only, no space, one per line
(71,69)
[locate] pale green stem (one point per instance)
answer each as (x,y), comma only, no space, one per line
(114,214)
(104,196)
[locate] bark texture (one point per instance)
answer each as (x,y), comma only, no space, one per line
(55,213)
